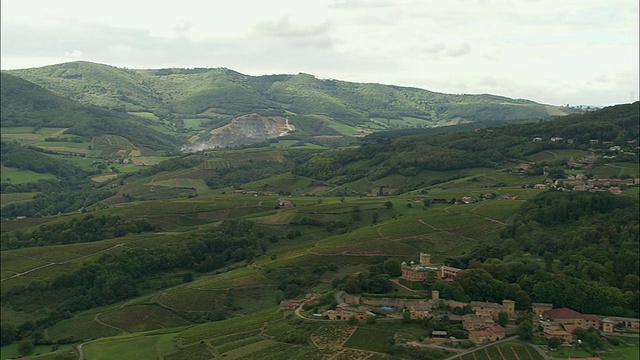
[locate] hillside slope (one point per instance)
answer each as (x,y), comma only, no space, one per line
(27,104)
(183,93)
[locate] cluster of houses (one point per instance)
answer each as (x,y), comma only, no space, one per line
(562,322)
(481,324)
(253,192)
(581,182)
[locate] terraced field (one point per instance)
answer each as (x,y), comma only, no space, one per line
(504,351)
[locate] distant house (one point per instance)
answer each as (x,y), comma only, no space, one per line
(476,322)
(539,308)
(609,324)
(566,316)
(615,190)
(289,305)
(566,337)
(439,334)
(540,186)
(491,310)
(493,333)
(468,200)
(285,203)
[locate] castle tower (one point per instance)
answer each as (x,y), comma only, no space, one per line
(435,295)
(509,306)
(425,259)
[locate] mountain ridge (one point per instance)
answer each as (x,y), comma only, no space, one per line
(179,94)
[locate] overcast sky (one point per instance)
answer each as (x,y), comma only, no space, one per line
(551,51)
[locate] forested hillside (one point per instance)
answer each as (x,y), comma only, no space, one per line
(493,147)
(178,94)
(26,104)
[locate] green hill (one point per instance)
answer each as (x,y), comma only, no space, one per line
(175,94)
(25,104)
(188,258)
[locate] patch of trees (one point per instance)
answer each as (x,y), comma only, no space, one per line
(256,170)
(17,156)
(87,229)
(51,202)
(379,157)
(113,277)
(583,250)
(241,174)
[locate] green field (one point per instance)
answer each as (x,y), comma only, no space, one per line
(141,347)
(14,198)
(19,176)
(371,339)
(81,327)
(502,351)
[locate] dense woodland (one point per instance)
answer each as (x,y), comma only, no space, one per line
(466,149)
(86,229)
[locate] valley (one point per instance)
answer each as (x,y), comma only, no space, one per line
(115,244)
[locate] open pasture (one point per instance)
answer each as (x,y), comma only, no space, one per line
(28,136)
(195,124)
(15,198)
(20,176)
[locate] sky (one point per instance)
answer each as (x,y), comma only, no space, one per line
(576,52)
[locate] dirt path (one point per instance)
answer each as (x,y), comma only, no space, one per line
(59,263)
(97,319)
(472,350)
(80,352)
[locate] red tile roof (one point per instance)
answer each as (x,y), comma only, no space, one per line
(563,313)
(479,333)
(571,328)
(496,329)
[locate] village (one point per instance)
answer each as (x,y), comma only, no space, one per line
(488,322)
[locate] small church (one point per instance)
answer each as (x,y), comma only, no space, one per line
(421,271)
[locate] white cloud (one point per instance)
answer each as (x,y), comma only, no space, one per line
(549,51)
(75,54)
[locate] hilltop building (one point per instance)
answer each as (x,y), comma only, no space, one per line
(420,272)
